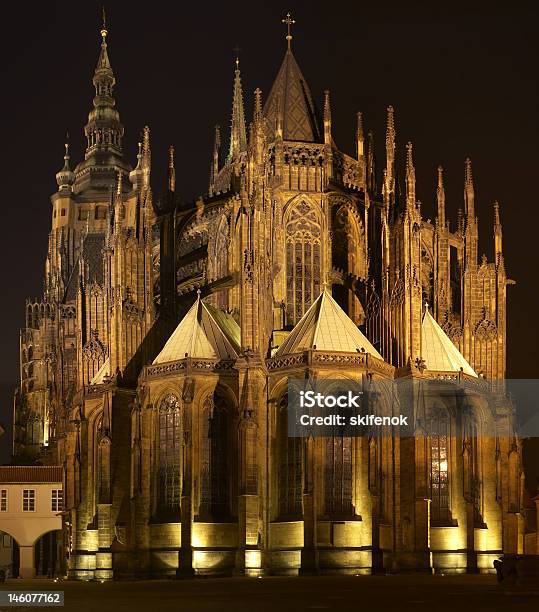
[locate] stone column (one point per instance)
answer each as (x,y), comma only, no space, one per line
(185,569)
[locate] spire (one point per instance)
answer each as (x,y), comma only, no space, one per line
(371,164)
(118,203)
(327,118)
(171,170)
(65,178)
(410,178)
(440,193)
(498,234)
(146,159)
(258,105)
(290,102)
(104,131)
(238,134)
(360,140)
(468,189)
(389,186)
(214,171)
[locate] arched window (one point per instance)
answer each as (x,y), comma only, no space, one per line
(214,482)
(290,466)
(439,471)
(338,476)
(303,252)
(169,453)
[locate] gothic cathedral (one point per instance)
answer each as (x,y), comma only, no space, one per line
(154,368)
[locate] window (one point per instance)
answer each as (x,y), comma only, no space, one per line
(28,500)
(57,497)
(338,476)
(302,261)
(290,467)
(439,473)
(214,460)
(3,500)
(100,212)
(169,453)
(63,213)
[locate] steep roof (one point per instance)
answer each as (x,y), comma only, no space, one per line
(326,327)
(31,473)
(291,99)
(204,332)
(439,353)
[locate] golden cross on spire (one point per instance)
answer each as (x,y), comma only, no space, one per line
(104,30)
(289,22)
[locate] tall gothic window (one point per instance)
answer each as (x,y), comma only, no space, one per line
(290,466)
(215,457)
(169,453)
(439,474)
(303,252)
(338,476)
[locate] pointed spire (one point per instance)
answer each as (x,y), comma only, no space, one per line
(498,234)
(146,160)
(104,131)
(214,171)
(410,178)
(468,190)
(288,21)
(440,193)
(327,118)
(171,170)
(238,134)
(118,203)
(389,186)
(371,164)
(258,105)
(65,178)
(360,140)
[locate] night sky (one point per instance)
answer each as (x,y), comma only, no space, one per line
(462,79)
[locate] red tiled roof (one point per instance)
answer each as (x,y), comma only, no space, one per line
(31,473)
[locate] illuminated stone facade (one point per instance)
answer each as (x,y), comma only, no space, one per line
(155,366)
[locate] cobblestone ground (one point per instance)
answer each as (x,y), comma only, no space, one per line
(362,593)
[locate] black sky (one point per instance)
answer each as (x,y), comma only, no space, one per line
(462,79)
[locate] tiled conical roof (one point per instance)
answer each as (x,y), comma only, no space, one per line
(438,352)
(326,327)
(290,98)
(204,332)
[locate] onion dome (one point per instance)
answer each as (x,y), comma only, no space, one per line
(66,177)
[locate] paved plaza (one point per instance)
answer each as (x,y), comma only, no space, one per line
(372,593)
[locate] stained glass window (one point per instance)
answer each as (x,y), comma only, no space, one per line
(439,467)
(169,453)
(302,261)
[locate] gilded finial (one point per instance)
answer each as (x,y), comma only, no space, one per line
(237,54)
(258,103)
(496,213)
(359,130)
(468,178)
(440,177)
(119,183)
(409,157)
(104,30)
(289,22)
